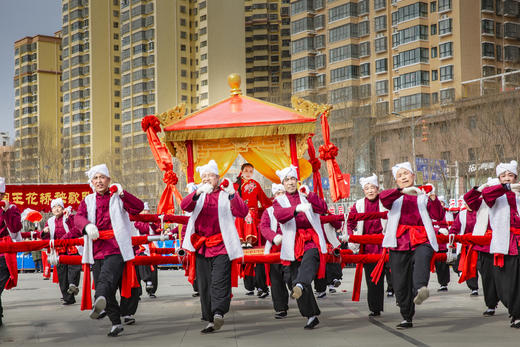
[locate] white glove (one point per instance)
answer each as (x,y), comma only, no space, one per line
(229,189)
(343,238)
(443,231)
(304,189)
(411,191)
(515,187)
(92,231)
(191,187)
(277,240)
(481,188)
(303,207)
(119,188)
(204,188)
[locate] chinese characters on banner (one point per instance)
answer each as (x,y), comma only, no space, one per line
(39,196)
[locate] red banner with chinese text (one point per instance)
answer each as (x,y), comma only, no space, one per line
(39,196)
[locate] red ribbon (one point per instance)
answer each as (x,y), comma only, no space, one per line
(86,296)
(55,274)
(467,263)
(316,166)
(129,279)
(12,266)
(378,269)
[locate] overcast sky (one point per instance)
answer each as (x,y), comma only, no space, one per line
(20,18)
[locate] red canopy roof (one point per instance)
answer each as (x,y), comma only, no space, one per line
(259,117)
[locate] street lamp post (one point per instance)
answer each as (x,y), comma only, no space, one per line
(413,136)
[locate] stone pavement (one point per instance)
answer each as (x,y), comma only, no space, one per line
(33,315)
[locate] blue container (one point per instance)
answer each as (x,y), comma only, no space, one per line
(24,262)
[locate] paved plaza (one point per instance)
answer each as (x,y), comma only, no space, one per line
(33,315)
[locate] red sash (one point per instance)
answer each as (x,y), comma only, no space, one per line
(198,241)
(468,261)
(12,266)
(306,235)
(499,258)
(417,233)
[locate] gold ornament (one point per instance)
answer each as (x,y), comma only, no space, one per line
(308,108)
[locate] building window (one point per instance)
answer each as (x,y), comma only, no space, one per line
(446,73)
(342,11)
(382,87)
(364,70)
(405,13)
(488,27)
(362,7)
(411,79)
(435,75)
(304,44)
(488,71)
(343,52)
(433,29)
(488,50)
(411,102)
(364,49)
(444,5)
(301,25)
(435,98)
(445,26)
(380,23)
(413,56)
(381,65)
(379,4)
(415,33)
(434,52)
(380,44)
(344,73)
(512,53)
(472,154)
(446,50)
(433,7)
(304,83)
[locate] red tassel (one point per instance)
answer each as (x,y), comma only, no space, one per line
(432,263)
(357,282)
(499,260)
(378,269)
(235,269)
(86,296)
(267,275)
(55,274)
(469,264)
(129,279)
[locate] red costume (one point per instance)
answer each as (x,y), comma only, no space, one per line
(253,195)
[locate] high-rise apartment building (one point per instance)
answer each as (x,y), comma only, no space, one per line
(268,50)
(372,58)
(91,86)
(172,52)
(37,115)
(6,158)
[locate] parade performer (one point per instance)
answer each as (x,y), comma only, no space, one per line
(370,203)
(278,273)
(253,195)
(303,245)
(504,208)
(212,234)
(103,217)
(442,269)
(411,238)
(56,228)
(147,273)
(485,263)
(10,226)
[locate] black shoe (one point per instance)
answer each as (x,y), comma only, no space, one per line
(115,331)
(129,320)
(102,315)
(489,312)
(66,303)
(443,289)
(390,294)
(474,292)
(321,295)
(312,324)
(250,293)
(374,314)
(1,323)
(263,295)
(152,296)
(280,315)
(516,324)
(195,295)
(207,330)
(404,325)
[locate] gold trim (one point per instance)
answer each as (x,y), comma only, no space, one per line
(301,144)
(240,132)
(172,115)
(179,151)
(309,108)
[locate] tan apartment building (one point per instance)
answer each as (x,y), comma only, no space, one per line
(37,114)
(172,52)
(91,87)
(372,58)
(268,50)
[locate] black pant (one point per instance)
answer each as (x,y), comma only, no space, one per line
(144,272)
(128,306)
(388,274)
(410,272)
(68,274)
(443,272)
(472,283)
(304,273)
(507,279)
(333,272)
(376,291)
(107,278)
(280,281)
(485,267)
(4,276)
(214,282)
(155,280)
(257,281)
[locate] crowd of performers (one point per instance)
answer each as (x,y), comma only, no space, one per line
(225,218)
